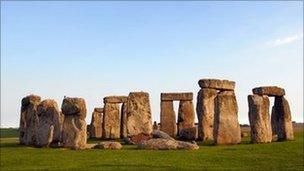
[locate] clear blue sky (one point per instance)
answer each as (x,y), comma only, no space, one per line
(94,49)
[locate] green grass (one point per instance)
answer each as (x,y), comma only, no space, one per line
(246,156)
(9,132)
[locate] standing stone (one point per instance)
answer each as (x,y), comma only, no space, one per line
(74,131)
(29,120)
(282,119)
(186,120)
(50,125)
(205,113)
(123,125)
(96,123)
(139,119)
(259,119)
(274,121)
(111,121)
(168,118)
(226,126)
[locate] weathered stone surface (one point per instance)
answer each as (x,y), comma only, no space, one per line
(205,113)
(29,120)
(274,121)
(139,114)
(155,126)
(166,144)
(115,99)
(188,133)
(74,131)
(108,145)
(226,126)
(217,84)
(135,139)
(259,119)
(96,123)
(50,123)
(185,116)
(269,91)
(176,96)
(111,121)
(282,119)
(74,106)
(161,134)
(123,122)
(168,118)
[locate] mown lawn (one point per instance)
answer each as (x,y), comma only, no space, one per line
(246,156)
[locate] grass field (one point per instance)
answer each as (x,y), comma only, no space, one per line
(246,156)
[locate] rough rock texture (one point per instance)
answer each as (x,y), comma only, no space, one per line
(217,84)
(176,96)
(74,131)
(139,119)
(155,126)
(168,118)
(123,122)
(74,106)
(29,120)
(269,91)
(226,126)
(274,124)
(115,99)
(259,119)
(161,134)
(96,123)
(108,145)
(185,116)
(50,123)
(135,139)
(166,144)
(111,121)
(282,119)
(188,133)
(205,113)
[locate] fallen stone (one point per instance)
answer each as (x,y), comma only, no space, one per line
(115,99)
(139,120)
(269,91)
(217,84)
(168,118)
(161,134)
(135,139)
(205,113)
(96,123)
(108,145)
(226,126)
(176,96)
(259,119)
(185,116)
(111,121)
(166,144)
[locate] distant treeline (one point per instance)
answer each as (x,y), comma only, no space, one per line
(9,132)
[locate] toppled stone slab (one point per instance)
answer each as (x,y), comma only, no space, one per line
(269,91)
(177,96)
(108,145)
(161,134)
(168,118)
(259,119)
(217,84)
(115,99)
(135,139)
(166,144)
(96,123)
(29,120)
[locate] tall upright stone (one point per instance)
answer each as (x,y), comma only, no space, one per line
(168,118)
(96,123)
(226,126)
(29,120)
(123,123)
(185,122)
(205,113)
(282,119)
(74,131)
(50,123)
(111,121)
(139,120)
(259,119)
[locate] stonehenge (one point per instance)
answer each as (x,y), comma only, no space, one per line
(185,128)
(129,118)
(74,131)
(217,112)
(96,123)
(264,128)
